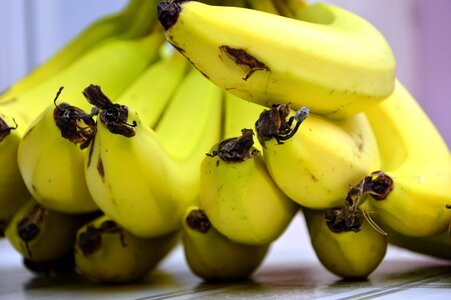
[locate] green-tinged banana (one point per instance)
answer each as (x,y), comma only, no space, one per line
(263,5)
(52,162)
(267,58)
(162,167)
(293,8)
(436,246)
(239,114)
(237,193)
(106,252)
(315,162)
(411,194)
(116,25)
(114,65)
(150,94)
(13,192)
(40,235)
(344,252)
(212,256)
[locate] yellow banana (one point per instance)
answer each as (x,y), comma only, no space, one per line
(151,92)
(13,192)
(117,25)
(40,235)
(212,256)
(315,162)
(52,163)
(162,167)
(263,5)
(237,192)
(346,252)
(106,252)
(410,194)
(267,58)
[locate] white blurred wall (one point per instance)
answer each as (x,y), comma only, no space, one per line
(418,31)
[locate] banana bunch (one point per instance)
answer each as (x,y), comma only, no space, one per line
(166,119)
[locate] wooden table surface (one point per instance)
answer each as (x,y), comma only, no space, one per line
(290,271)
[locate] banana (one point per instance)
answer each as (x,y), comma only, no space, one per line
(315,162)
(213,257)
(436,246)
(410,195)
(344,250)
(100,66)
(106,252)
(52,163)
(42,235)
(237,192)
(13,192)
(263,5)
(161,167)
(267,58)
(116,25)
(151,92)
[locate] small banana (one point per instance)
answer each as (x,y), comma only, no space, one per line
(151,92)
(52,163)
(267,58)
(161,167)
(13,192)
(344,250)
(237,192)
(410,195)
(106,252)
(212,256)
(315,162)
(42,235)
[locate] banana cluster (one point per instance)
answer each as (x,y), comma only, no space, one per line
(167,125)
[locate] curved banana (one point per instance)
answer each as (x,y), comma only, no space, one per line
(212,256)
(266,58)
(40,235)
(416,164)
(162,167)
(106,252)
(437,246)
(345,251)
(100,66)
(13,192)
(151,92)
(117,25)
(315,162)
(52,163)
(237,192)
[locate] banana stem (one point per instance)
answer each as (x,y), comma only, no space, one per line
(273,124)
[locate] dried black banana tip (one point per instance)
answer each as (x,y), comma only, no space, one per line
(168,12)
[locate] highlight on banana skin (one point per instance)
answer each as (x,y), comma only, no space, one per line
(214,136)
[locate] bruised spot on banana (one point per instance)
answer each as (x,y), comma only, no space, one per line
(244,60)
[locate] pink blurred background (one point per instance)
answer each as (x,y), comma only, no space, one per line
(419,32)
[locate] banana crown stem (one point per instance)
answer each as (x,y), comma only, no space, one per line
(114,116)
(349,218)
(90,241)
(237,149)
(5,129)
(75,125)
(197,219)
(273,123)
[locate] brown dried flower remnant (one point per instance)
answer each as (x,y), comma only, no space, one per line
(113,115)
(90,241)
(273,124)
(237,149)
(197,219)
